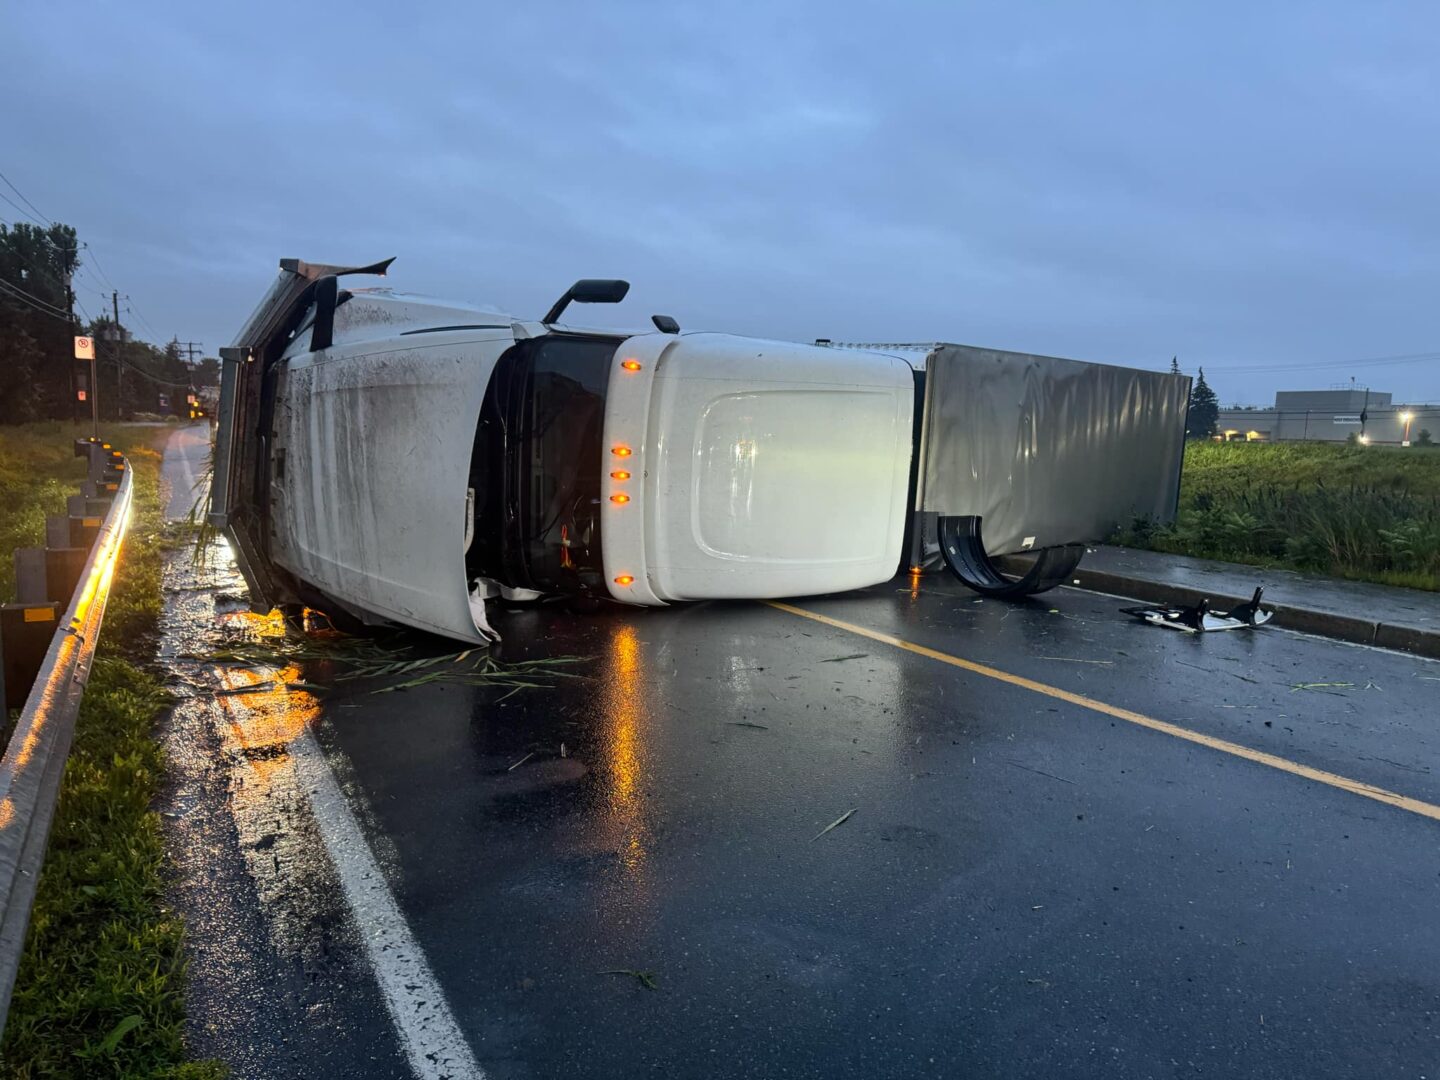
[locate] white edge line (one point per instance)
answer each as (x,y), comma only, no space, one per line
(431,1038)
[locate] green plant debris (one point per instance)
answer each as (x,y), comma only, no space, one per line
(645,978)
(391,657)
(100,991)
(487,671)
(834,824)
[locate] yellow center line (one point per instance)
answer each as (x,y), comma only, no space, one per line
(1344,783)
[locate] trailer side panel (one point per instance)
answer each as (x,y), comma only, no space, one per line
(1047,451)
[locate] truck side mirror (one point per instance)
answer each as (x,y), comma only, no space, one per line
(589,291)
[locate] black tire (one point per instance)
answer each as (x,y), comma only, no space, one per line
(294,616)
(964,552)
(326,613)
(337,618)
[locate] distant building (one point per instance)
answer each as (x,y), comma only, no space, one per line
(1328,416)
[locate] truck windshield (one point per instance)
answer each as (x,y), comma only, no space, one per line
(538,484)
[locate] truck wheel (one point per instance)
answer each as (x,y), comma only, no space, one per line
(294,616)
(964,552)
(337,618)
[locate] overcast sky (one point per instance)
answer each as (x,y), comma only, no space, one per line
(1247,186)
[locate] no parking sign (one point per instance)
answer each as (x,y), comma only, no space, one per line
(84,348)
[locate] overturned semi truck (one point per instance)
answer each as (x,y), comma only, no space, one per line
(389,459)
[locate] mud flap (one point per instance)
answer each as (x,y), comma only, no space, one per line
(963,550)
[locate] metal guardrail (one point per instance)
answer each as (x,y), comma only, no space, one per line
(35,757)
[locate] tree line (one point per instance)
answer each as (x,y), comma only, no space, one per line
(39,376)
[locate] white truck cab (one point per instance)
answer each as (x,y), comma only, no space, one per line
(392,459)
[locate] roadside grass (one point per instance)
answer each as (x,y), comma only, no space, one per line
(38,470)
(1370,513)
(100,991)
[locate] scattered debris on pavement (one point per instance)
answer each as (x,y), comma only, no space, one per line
(834,824)
(644,978)
(1198,618)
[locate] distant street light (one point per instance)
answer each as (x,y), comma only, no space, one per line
(1405,418)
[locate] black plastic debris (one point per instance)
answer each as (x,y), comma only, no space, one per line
(1198,618)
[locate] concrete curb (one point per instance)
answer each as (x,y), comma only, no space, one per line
(1411,639)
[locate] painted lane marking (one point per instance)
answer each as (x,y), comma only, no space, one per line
(429,1035)
(181,455)
(1343,783)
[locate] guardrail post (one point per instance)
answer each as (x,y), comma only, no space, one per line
(25,633)
(44,574)
(57,530)
(30,585)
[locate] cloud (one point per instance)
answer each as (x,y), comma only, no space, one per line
(1236,184)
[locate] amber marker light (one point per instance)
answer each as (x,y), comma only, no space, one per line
(619,474)
(622,451)
(624,579)
(619,498)
(630,365)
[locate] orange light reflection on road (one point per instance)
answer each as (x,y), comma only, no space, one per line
(624,698)
(271,715)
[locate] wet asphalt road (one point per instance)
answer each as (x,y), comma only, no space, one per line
(1025,887)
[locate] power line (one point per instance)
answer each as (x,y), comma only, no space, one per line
(91,287)
(94,259)
(26,201)
(17,206)
(130,310)
(95,262)
(153,378)
(33,268)
(31,296)
(23,297)
(1368,361)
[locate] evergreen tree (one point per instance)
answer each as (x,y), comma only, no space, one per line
(1204,412)
(1174,365)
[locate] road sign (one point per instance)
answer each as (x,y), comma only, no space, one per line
(84,348)
(80,394)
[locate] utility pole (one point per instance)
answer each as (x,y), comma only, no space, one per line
(75,329)
(119,367)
